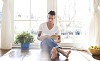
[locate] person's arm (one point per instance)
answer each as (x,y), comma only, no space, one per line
(59,39)
(58,34)
(39,34)
(41,38)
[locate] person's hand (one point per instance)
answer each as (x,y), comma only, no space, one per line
(47,36)
(43,37)
(57,38)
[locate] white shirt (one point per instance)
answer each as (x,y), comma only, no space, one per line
(45,31)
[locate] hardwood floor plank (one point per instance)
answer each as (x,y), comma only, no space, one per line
(37,55)
(89,57)
(75,56)
(3,51)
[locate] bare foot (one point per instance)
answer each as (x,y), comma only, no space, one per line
(66,60)
(53,53)
(67,53)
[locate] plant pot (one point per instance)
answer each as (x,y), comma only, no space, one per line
(25,46)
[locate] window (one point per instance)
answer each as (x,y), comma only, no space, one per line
(28,15)
(73,18)
(21,9)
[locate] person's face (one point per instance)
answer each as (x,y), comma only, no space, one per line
(51,18)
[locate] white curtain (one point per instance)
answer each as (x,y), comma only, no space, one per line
(94,35)
(94,28)
(6,26)
(1,4)
(97,17)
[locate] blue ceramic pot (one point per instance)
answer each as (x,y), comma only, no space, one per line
(25,46)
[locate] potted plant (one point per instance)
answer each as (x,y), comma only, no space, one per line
(24,38)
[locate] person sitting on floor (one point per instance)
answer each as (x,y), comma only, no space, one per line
(48,32)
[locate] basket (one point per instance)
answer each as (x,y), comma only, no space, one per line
(95,50)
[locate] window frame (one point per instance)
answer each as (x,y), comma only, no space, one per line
(53,7)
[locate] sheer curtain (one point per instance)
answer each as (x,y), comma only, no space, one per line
(6,25)
(94,27)
(1,4)
(94,35)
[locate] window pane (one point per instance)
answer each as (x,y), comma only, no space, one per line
(28,15)
(70,33)
(30,9)
(38,9)
(21,9)
(34,28)
(73,17)
(20,26)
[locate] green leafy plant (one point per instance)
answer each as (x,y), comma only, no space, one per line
(24,37)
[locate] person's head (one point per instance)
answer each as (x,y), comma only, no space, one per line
(51,16)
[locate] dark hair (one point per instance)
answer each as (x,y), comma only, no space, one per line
(52,12)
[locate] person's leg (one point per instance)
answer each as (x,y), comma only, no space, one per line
(53,53)
(53,48)
(44,47)
(47,45)
(66,54)
(50,42)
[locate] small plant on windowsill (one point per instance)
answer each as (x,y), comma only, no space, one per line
(24,38)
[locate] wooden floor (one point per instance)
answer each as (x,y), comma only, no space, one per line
(36,55)
(3,51)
